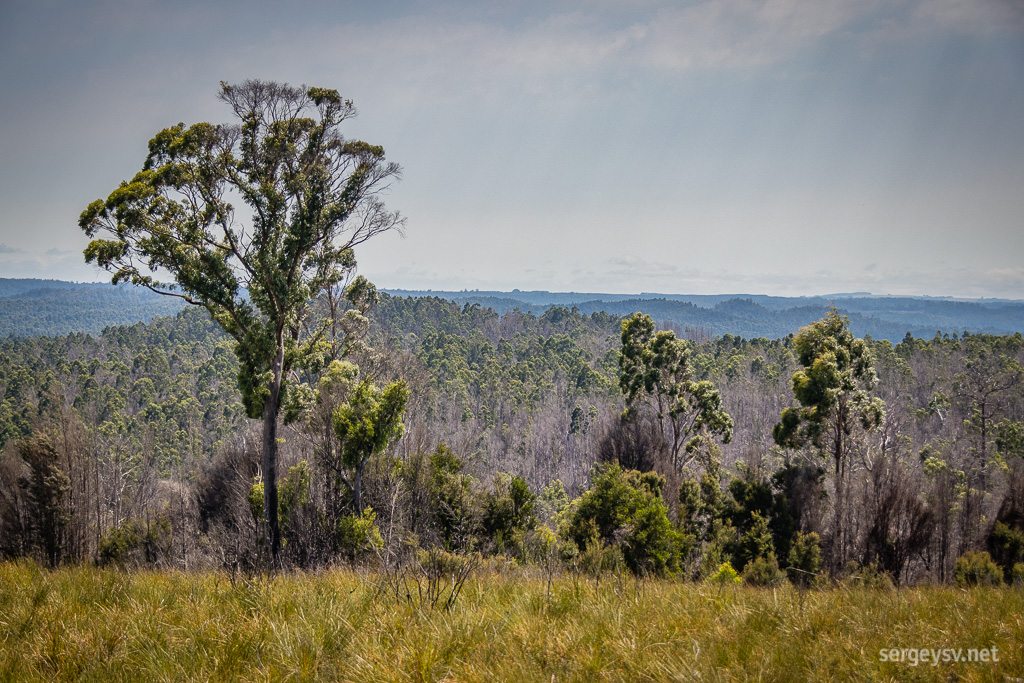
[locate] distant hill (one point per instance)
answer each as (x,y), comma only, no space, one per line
(754,315)
(31,308)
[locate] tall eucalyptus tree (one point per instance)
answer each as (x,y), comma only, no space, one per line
(310,195)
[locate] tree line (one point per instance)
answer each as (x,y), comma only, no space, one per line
(396,431)
(562,440)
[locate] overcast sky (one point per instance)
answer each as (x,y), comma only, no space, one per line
(779,146)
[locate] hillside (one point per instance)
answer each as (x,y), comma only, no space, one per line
(30,307)
(752,316)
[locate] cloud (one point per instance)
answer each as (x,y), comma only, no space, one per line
(4,249)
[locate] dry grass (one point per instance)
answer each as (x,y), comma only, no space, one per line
(89,624)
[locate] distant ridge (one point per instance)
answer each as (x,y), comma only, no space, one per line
(759,315)
(32,307)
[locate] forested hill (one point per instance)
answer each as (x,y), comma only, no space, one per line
(31,307)
(752,316)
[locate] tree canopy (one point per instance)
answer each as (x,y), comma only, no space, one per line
(310,195)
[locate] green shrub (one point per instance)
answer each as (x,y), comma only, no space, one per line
(1017,575)
(358,534)
(1007,545)
(868,576)
(976,567)
(764,571)
(805,560)
(756,543)
(725,576)
(624,509)
(508,513)
(133,542)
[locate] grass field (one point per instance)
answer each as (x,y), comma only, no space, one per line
(90,624)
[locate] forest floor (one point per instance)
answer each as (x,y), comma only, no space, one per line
(93,624)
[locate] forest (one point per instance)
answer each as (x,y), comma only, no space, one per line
(447,434)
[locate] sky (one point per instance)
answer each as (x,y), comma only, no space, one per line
(719,146)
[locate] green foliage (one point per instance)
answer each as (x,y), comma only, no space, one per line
(366,425)
(508,511)
(805,559)
(370,421)
(121,545)
(725,576)
(867,576)
(656,370)
(838,371)
(1010,438)
(975,567)
(625,509)
(48,489)
(764,571)
(312,197)
(1017,574)
(455,514)
(755,543)
(553,501)
(294,491)
(358,534)
(1007,544)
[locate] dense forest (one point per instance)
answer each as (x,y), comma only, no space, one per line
(30,307)
(567,440)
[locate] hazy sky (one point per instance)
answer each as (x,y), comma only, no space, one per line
(779,147)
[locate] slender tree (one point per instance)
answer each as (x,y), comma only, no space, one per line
(310,196)
(367,424)
(656,372)
(832,389)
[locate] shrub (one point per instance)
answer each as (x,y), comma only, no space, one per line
(358,534)
(756,543)
(725,576)
(1017,576)
(976,567)
(868,576)
(122,544)
(624,509)
(805,559)
(508,512)
(764,571)
(1007,545)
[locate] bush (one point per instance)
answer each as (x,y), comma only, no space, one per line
(976,567)
(508,513)
(805,559)
(1017,576)
(868,576)
(764,571)
(133,542)
(358,534)
(624,509)
(725,576)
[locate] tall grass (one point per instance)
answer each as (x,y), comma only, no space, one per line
(89,624)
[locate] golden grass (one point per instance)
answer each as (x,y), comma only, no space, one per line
(89,624)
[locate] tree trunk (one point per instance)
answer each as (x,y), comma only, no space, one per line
(271,408)
(357,487)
